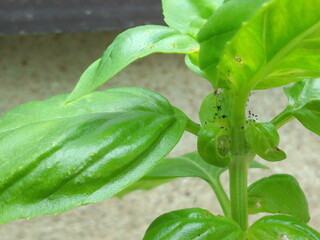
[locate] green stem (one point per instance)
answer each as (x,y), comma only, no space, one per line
(281,119)
(192,127)
(221,196)
(238,191)
(238,169)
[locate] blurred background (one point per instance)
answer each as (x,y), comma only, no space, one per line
(46,45)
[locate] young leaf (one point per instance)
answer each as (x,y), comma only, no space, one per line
(193,223)
(279,45)
(56,156)
(214,146)
(281,227)
(304,104)
(188,16)
(220,29)
(129,46)
(278,193)
(214,110)
(263,138)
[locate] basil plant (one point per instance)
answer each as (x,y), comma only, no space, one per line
(87,146)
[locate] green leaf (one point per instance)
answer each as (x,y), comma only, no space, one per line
(214,146)
(56,156)
(144,184)
(188,165)
(255,164)
(219,30)
(129,46)
(215,111)
(304,104)
(280,227)
(278,193)
(192,62)
(279,45)
(188,16)
(263,138)
(193,223)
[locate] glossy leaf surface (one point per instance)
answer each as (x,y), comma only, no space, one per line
(280,227)
(304,103)
(278,193)
(129,46)
(193,223)
(56,156)
(271,51)
(264,140)
(188,16)
(220,29)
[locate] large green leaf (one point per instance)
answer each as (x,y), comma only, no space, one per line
(129,46)
(278,193)
(304,104)
(56,156)
(191,224)
(279,45)
(280,227)
(188,16)
(220,29)
(264,139)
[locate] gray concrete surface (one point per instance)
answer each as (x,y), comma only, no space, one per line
(37,67)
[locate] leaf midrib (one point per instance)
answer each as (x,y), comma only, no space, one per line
(81,115)
(210,178)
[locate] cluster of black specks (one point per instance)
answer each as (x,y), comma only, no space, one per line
(239,59)
(252,116)
(277,149)
(218,107)
(223,128)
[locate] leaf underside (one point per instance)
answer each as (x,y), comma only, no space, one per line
(188,165)
(304,103)
(191,16)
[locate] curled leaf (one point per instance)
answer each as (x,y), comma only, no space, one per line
(214,146)
(263,138)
